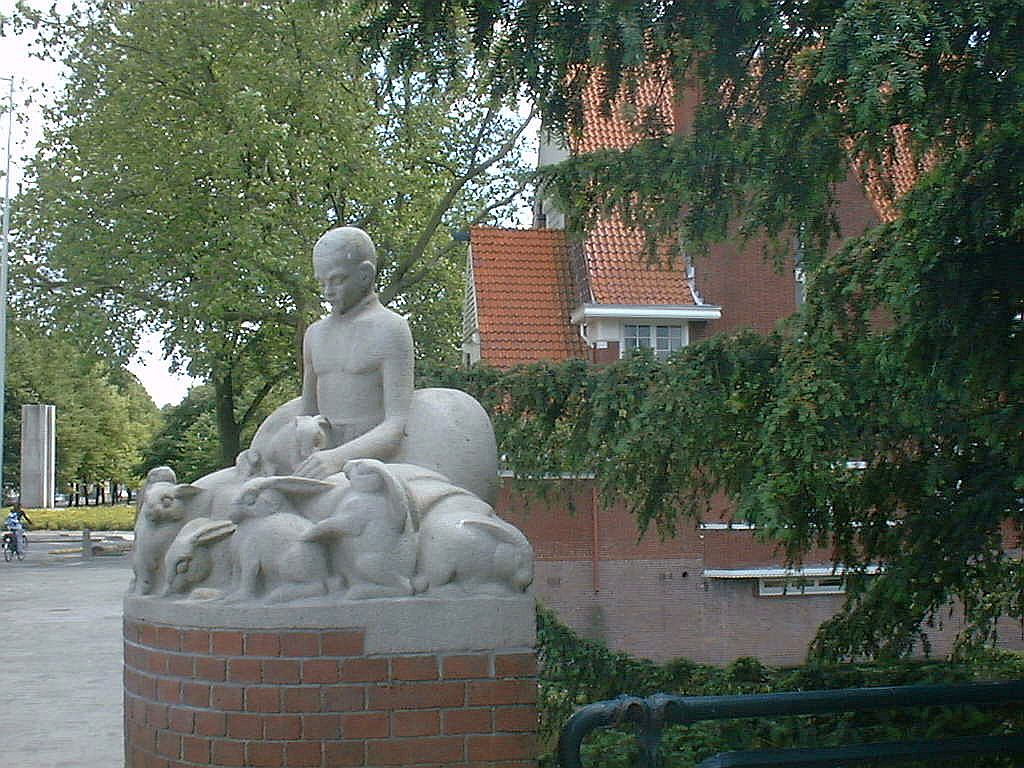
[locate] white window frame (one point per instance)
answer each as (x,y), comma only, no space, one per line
(653,325)
(801,586)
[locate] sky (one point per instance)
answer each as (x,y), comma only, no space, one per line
(164,387)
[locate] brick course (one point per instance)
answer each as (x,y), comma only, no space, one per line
(312,698)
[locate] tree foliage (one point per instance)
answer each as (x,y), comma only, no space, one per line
(197,152)
(906,358)
(187,437)
(104,417)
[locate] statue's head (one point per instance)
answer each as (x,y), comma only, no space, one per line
(345,265)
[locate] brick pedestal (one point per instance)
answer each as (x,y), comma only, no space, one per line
(316,696)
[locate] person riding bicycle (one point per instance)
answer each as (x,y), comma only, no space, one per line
(15,526)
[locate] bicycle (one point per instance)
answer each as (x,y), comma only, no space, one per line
(12,547)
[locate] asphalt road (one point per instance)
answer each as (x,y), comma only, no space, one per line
(60,651)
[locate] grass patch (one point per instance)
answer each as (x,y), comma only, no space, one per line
(117,518)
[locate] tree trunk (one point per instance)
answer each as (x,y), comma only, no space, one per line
(228,429)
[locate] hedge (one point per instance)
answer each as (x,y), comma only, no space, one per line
(103,518)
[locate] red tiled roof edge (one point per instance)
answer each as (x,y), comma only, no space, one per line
(523,296)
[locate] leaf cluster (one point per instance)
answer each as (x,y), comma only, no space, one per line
(665,436)
(104,417)
(196,153)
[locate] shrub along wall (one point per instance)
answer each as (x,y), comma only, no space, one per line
(577,671)
(117,518)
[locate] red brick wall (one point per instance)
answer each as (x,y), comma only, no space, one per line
(313,698)
(751,292)
(607,355)
(650,598)
(562,526)
(740,548)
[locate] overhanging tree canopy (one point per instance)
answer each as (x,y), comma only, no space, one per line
(908,354)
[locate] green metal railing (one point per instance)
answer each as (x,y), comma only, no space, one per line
(650,715)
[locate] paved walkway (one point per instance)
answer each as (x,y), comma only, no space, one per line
(60,652)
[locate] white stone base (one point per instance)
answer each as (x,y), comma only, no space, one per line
(393,625)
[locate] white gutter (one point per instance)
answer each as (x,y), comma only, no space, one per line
(784,573)
(646,312)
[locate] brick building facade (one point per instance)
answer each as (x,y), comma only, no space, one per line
(714,592)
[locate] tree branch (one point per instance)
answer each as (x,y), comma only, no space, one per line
(445,203)
(262,395)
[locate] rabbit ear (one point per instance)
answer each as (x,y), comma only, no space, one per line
(186,491)
(333,527)
(400,499)
(299,486)
(495,528)
(215,531)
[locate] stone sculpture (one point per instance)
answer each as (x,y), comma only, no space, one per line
(362,487)
(372,534)
(273,561)
(160,512)
(192,557)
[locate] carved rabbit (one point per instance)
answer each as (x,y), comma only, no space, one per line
(162,509)
(193,558)
(273,562)
(371,535)
(466,547)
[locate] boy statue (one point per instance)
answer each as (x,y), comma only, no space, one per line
(358,360)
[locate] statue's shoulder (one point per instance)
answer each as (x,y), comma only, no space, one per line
(389,321)
(315,330)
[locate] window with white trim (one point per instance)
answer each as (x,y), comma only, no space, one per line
(662,339)
(796,586)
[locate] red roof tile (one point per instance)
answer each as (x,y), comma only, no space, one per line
(899,172)
(523,296)
(617,270)
(647,112)
(654,95)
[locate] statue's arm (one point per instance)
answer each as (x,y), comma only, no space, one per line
(309,404)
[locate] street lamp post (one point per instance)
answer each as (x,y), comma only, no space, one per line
(3,273)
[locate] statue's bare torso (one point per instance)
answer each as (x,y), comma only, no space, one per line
(359,375)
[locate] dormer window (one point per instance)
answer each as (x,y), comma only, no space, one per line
(663,339)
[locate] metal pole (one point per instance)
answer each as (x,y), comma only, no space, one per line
(3,275)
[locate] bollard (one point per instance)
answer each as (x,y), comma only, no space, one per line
(86,544)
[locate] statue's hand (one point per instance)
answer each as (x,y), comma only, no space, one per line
(319,466)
